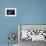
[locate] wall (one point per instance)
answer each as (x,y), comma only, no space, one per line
(28,12)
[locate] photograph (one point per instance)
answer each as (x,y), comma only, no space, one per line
(10,11)
(28,33)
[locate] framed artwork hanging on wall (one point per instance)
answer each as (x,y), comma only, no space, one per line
(10,11)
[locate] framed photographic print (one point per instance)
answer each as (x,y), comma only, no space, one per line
(10,11)
(33,32)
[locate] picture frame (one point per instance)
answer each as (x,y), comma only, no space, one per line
(39,28)
(10,12)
